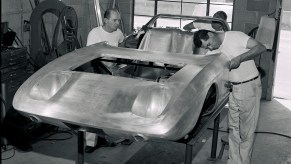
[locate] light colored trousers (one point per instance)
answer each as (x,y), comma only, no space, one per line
(244,106)
(91,139)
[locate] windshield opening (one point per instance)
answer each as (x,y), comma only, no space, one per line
(136,69)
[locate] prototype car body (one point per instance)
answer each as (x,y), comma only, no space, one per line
(130,93)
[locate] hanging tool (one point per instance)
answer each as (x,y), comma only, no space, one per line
(44,35)
(67,22)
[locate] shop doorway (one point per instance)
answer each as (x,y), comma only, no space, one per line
(282,84)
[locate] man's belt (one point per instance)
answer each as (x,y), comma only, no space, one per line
(237,83)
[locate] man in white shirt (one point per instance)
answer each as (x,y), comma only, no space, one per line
(110,33)
(244,99)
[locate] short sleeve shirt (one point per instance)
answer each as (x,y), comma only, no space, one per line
(98,34)
(235,44)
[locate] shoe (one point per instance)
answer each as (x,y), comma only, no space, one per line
(108,144)
(126,142)
(90,149)
(105,143)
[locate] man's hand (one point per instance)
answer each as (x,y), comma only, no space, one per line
(138,34)
(234,63)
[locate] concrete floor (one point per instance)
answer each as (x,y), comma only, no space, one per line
(275,116)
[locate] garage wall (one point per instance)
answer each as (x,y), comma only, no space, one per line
(247,13)
(16,11)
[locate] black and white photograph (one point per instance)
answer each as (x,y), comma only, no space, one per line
(145,81)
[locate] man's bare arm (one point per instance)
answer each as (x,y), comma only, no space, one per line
(256,49)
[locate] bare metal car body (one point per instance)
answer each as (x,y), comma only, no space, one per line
(144,94)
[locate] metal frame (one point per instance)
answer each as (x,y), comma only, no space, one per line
(170,16)
(208,3)
(202,127)
(189,146)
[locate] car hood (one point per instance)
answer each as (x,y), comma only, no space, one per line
(111,103)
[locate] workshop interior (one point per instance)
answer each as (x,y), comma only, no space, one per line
(157,98)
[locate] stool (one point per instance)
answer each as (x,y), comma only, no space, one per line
(224,141)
